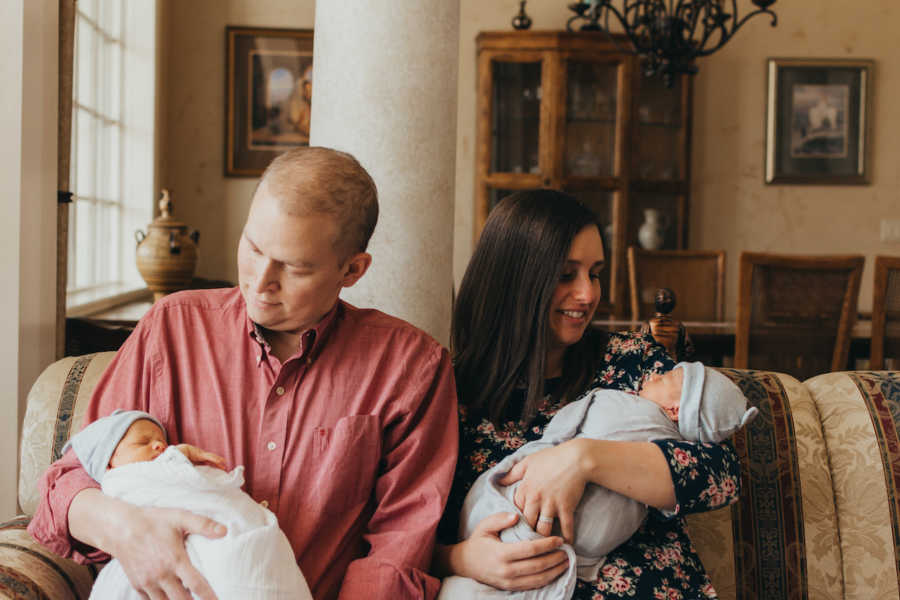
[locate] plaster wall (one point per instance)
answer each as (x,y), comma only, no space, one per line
(28,107)
(193,135)
(730,207)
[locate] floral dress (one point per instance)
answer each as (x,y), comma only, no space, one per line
(659,561)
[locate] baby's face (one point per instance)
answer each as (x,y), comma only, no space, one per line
(143,441)
(665,389)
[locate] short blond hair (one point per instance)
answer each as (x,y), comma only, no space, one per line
(311,180)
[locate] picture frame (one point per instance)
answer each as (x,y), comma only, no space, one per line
(268,94)
(817,121)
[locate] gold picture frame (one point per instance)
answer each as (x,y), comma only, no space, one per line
(268,93)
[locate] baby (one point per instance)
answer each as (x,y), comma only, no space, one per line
(128,454)
(689,402)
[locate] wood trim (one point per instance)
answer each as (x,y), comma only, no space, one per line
(883,267)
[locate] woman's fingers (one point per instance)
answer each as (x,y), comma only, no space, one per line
(544,525)
(567,525)
(515,474)
(531,511)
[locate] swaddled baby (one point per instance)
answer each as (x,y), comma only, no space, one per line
(128,454)
(689,402)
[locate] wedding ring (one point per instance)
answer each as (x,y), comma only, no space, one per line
(543,519)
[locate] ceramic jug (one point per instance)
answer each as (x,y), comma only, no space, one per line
(652,232)
(167,253)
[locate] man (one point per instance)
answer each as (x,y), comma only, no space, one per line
(345,419)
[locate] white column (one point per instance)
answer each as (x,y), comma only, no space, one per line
(384,90)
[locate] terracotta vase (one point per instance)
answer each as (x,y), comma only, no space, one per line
(167,253)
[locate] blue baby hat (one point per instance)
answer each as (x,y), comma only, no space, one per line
(712,406)
(94,445)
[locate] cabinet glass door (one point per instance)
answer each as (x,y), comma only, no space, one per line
(659,139)
(516,116)
(591,92)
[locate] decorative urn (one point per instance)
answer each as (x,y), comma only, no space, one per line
(167,253)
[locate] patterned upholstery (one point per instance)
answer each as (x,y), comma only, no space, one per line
(56,405)
(860,416)
(819,516)
(782,537)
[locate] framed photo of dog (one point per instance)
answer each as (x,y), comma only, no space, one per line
(818,121)
(268,95)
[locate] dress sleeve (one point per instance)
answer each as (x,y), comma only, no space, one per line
(126,383)
(706,476)
(418,458)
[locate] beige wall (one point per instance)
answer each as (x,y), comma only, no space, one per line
(731,207)
(193,138)
(28,230)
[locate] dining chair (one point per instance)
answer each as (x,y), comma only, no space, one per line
(696,276)
(795,312)
(885,312)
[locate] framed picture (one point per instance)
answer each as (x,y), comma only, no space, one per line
(268,93)
(817,121)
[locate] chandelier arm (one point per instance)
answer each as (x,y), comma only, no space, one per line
(622,18)
(734,29)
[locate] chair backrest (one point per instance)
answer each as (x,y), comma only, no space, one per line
(795,312)
(56,405)
(885,312)
(696,276)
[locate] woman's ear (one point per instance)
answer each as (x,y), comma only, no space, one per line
(355,267)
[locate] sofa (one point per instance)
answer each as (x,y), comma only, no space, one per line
(817,519)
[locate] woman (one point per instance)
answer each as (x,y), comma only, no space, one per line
(522,349)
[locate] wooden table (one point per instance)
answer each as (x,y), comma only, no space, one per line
(714,340)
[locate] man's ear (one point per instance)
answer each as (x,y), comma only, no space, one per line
(355,267)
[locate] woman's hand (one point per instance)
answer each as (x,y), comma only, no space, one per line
(512,566)
(551,484)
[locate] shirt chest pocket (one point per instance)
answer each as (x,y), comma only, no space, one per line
(346,461)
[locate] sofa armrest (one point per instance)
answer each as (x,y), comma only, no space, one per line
(29,570)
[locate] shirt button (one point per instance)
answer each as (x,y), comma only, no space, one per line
(279,390)
(270,445)
(264,504)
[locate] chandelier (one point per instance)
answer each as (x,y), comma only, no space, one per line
(668,34)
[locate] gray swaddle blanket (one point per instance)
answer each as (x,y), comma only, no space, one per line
(711,409)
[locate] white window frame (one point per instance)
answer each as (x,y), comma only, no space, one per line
(101,253)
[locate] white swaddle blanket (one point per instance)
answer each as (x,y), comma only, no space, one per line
(253,561)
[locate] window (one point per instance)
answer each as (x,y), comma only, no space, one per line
(113,157)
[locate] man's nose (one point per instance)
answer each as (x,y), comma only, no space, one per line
(267,275)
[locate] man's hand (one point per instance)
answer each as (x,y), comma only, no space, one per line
(148,542)
(508,566)
(201,457)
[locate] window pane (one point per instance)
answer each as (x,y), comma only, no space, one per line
(111,17)
(87,157)
(108,173)
(112,84)
(85,55)
(88,8)
(84,255)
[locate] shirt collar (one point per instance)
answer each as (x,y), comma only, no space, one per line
(311,339)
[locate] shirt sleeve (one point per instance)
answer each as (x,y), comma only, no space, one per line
(125,384)
(418,458)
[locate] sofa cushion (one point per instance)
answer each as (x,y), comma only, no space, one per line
(780,540)
(860,414)
(56,405)
(28,571)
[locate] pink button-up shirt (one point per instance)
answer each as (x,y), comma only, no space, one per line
(351,442)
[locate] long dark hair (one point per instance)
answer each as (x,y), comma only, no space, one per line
(499,333)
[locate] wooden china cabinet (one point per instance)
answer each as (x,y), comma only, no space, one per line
(573,111)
